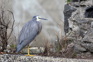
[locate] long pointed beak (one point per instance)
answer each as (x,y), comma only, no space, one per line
(42,18)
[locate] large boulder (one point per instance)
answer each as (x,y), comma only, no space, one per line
(68,9)
(82,26)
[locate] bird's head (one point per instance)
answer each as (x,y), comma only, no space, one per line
(38,18)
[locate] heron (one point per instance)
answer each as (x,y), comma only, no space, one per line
(28,33)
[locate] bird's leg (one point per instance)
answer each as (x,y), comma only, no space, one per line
(29,52)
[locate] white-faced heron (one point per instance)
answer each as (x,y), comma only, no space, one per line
(29,31)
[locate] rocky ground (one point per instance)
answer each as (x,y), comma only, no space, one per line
(22,58)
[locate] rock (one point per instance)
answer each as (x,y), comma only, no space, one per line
(89,12)
(88,37)
(88,46)
(78,48)
(34,50)
(91,24)
(77,0)
(81,24)
(7,51)
(8,47)
(84,55)
(67,13)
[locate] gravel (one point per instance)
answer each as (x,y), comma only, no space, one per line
(22,58)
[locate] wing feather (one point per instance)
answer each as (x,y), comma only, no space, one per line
(29,31)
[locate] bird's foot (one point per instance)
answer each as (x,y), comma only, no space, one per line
(29,55)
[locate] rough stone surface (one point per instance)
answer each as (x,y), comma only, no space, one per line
(34,50)
(77,0)
(89,12)
(82,26)
(78,48)
(21,58)
(67,12)
(88,46)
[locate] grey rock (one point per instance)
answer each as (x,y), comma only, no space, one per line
(34,50)
(67,13)
(88,12)
(78,48)
(83,55)
(88,37)
(91,24)
(88,46)
(81,22)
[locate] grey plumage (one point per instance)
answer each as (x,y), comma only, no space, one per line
(29,31)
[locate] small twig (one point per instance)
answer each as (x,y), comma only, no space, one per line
(12,24)
(2,17)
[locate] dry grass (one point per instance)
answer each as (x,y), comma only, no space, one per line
(61,46)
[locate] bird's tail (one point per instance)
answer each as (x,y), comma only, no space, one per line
(18,49)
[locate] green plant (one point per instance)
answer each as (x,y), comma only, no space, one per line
(13,46)
(69,1)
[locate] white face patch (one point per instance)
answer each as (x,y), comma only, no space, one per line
(37,18)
